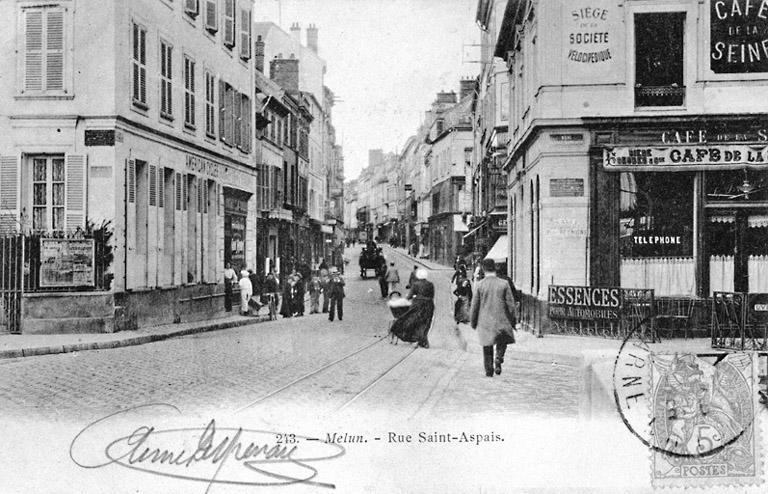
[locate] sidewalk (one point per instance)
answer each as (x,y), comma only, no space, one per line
(28,345)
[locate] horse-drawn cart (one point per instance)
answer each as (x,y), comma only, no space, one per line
(370,259)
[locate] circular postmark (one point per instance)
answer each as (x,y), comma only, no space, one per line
(681,404)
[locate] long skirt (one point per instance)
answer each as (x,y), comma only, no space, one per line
(244,298)
(413,326)
(461,309)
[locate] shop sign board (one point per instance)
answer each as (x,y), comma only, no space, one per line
(738,36)
(758,307)
(566,187)
(584,302)
(706,156)
(655,243)
(66,262)
(591,40)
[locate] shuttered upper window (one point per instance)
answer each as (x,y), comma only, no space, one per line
(210,109)
(189,92)
(229,23)
(44,44)
(245,34)
(139,66)
(166,80)
(211,12)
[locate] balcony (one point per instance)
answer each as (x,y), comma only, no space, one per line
(646,96)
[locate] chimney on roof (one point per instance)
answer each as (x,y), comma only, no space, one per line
(312,37)
(466,87)
(296,32)
(444,97)
(258,54)
(285,72)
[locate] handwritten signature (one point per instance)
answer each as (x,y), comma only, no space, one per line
(210,454)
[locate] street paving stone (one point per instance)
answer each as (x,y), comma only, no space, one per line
(231,369)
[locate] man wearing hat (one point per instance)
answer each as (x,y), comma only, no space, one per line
(336,294)
(493,316)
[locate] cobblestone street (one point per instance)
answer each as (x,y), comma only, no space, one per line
(270,362)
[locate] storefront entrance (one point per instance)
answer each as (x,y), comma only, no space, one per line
(235,215)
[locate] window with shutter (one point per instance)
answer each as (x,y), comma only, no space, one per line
(160,187)
(210,108)
(189,92)
(245,34)
(184,192)
(75,191)
(166,80)
(131,181)
(245,126)
(178,192)
(237,121)
(229,23)
(211,21)
(152,185)
(222,110)
(44,41)
(9,194)
(139,66)
(191,7)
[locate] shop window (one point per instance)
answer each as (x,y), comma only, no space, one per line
(48,194)
(656,232)
(659,49)
(736,186)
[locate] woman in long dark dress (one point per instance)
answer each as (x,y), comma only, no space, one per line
(463,293)
(414,325)
(286,309)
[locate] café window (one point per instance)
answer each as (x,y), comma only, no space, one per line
(656,232)
(659,49)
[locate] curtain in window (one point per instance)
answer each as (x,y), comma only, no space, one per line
(720,274)
(667,276)
(758,274)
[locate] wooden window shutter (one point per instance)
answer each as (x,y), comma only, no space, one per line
(222,111)
(160,187)
(75,187)
(152,185)
(184,191)
(33,61)
(9,194)
(229,23)
(178,192)
(191,7)
(211,21)
(238,120)
(245,34)
(131,179)
(54,51)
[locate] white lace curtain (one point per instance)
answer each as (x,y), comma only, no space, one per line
(721,274)
(758,274)
(667,276)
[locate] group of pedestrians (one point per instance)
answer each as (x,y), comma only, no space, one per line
(255,293)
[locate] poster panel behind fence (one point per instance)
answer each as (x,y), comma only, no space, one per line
(66,262)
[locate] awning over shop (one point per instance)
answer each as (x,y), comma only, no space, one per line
(458,224)
(499,250)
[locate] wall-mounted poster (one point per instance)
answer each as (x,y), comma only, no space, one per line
(592,41)
(738,36)
(66,262)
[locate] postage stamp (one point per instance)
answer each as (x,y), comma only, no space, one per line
(704,424)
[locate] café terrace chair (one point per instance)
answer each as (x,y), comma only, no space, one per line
(674,313)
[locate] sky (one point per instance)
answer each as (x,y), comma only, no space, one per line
(386,61)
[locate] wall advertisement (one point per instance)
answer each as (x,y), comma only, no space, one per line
(738,36)
(66,262)
(592,41)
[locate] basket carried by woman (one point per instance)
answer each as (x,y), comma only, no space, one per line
(413,316)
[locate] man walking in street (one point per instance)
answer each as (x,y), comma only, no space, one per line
(336,294)
(393,278)
(493,316)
